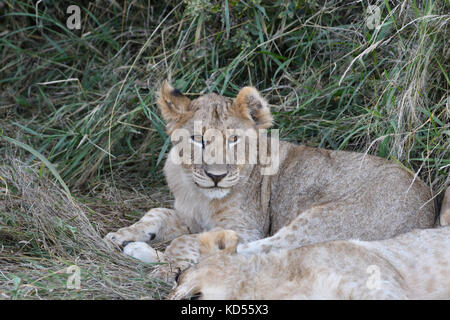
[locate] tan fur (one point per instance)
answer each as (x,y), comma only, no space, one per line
(415,265)
(218,241)
(445,210)
(174,107)
(250,104)
(316,195)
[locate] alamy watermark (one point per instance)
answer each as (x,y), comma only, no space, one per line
(374,280)
(373,18)
(74,279)
(73,21)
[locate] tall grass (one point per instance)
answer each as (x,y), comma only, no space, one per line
(85,99)
(45,238)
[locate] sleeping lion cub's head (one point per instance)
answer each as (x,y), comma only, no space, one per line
(211,133)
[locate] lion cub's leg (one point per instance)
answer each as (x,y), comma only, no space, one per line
(179,255)
(157,225)
(186,250)
(329,222)
(143,252)
(183,249)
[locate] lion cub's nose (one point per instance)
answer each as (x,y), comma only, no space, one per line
(216,177)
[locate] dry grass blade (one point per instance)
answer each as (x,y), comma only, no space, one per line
(43,234)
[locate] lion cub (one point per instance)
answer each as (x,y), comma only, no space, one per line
(310,195)
(415,265)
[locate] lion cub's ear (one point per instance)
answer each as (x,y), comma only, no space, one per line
(250,105)
(173,104)
(224,241)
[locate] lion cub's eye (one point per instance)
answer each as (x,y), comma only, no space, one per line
(197,138)
(233,139)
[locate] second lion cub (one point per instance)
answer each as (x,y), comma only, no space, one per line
(415,265)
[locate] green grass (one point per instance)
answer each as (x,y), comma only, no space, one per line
(85,99)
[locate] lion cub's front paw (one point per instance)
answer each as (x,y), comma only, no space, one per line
(147,229)
(142,252)
(119,238)
(138,233)
(169,271)
(216,241)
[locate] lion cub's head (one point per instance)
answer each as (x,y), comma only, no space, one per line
(209,132)
(216,276)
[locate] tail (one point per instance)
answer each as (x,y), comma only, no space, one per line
(445,209)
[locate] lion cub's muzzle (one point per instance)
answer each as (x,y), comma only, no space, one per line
(210,177)
(216,177)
